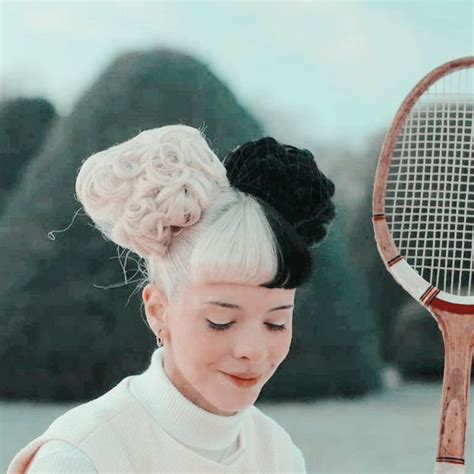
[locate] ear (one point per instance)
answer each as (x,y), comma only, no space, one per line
(156,304)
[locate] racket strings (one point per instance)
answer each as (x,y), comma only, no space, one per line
(429,198)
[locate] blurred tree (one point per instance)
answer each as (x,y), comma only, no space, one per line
(61,337)
(24,123)
(335,350)
(339,354)
(418,348)
(386,295)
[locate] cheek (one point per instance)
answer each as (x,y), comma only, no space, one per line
(280,346)
(185,331)
(196,344)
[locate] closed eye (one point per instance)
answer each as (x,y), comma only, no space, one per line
(223,327)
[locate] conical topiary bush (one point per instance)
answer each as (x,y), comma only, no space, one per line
(335,347)
(24,123)
(60,336)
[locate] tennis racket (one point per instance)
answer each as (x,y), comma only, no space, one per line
(423,219)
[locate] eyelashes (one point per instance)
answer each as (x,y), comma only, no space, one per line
(223,327)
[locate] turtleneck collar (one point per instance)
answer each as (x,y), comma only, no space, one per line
(177,415)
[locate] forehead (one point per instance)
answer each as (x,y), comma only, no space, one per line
(243,295)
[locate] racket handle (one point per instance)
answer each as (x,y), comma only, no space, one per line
(448,468)
(458,336)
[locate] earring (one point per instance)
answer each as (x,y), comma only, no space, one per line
(158,339)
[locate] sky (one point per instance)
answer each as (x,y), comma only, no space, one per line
(333,71)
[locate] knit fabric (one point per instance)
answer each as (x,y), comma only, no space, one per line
(145,424)
(57,456)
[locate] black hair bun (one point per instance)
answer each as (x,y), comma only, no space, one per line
(288,179)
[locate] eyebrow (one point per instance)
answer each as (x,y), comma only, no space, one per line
(236,306)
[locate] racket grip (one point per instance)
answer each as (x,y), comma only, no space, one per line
(458,336)
(448,468)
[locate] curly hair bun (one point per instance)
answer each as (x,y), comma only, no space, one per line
(142,192)
(289,180)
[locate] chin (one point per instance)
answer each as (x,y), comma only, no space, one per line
(231,410)
(237,404)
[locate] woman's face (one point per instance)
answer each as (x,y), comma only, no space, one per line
(217,329)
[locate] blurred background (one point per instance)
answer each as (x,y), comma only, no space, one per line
(360,390)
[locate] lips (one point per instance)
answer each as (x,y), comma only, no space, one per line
(243,382)
(245,376)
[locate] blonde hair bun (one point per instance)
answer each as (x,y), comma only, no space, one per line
(144,191)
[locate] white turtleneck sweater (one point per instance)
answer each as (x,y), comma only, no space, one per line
(221,439)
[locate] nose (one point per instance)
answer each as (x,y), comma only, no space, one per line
(251,345)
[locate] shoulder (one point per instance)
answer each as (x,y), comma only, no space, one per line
(299,462)
(57,456)
(77,423)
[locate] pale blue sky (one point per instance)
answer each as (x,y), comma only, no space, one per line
(340,69)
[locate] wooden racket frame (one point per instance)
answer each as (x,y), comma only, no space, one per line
(455,320)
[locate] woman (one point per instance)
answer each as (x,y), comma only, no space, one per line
(226,244)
